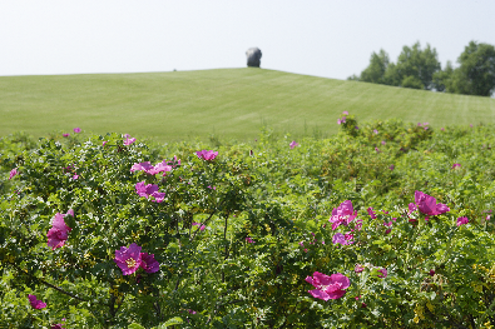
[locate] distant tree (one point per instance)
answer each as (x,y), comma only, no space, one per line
(414,69)
(443,80)
(476,73)
(415,66)
(375,71)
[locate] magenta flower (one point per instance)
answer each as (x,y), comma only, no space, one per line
(328,287)
(428,204)
(343,214)
(293,144)
(59,232)
(384,273)
(388,231)
(377,150)
(345,113)
(249,240)
(371,213)
(383,142)
(412,208)
(161,167)
(388,224)
(149,190)
(66,135)
(375,131)
(487,217)
(392,167)
(148,263)
(129,140)
(128,259)
(13,172)
(356,127)
(35,303)
(57,326)
(77,130)
(432,272)
(358,268)
(442,129)
(104,143)
(207,155)
(339,121)
(201,226)
(339,238)
(144,166)
(456,165)
(211,188)
(191,311)
(462,221)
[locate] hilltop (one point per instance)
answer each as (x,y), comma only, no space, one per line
(230,103)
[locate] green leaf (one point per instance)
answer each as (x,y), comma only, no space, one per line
(135,326)
(171,322)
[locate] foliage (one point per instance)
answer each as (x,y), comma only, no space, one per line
(476,73)
(265,210)
(415,68)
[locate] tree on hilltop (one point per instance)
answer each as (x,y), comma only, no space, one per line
(474,76)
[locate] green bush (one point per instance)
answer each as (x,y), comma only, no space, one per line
(265,209)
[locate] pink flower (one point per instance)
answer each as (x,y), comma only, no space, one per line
(412,208)
(59,232)
(343,214)
(371,213)
(328,287)
(128,259)
(375,131)
(339,238)
(191,311)
(487,217)
(301,244)
(388,224)
(383,143)
(149,190)
(392,167)
(104,143)
(66,135)
(456,165)
(161,167)
(148,263)
(77,130)
(377,150)
(249,240)
(442,129)
(384,273)
(359,225)
(144,166)
(345,113)
(462,221)
(35,303)
(201,226)
(129,141)
(207,155)
(388,231)
(13,172)
(293,144)
(358,268)
(76,176)
(428,204)
(57,326)
(127,136)
(211,188)
(339,121)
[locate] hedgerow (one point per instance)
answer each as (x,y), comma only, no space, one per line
(386,224)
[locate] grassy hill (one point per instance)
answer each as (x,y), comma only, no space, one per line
(229,103)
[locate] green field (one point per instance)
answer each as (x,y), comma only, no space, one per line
(226,103)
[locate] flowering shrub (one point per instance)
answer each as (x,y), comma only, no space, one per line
(236,242)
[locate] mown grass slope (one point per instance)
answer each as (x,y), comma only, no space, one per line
(228,103)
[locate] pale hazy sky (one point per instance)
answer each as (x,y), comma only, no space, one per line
(325,38)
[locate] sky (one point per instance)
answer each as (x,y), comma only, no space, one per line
(325,38)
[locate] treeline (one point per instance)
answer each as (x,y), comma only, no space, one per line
(420,69)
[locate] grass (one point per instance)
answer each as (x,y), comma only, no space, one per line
(226,103)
